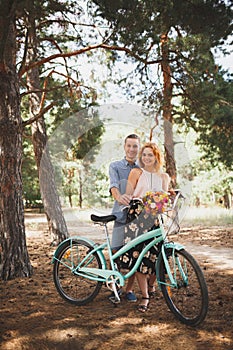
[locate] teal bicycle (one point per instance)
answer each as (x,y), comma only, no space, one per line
(80,268)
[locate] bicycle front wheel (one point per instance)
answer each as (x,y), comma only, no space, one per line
(189,300)
(73,288)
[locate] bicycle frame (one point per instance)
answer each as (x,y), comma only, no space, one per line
(81,266)
(106,275)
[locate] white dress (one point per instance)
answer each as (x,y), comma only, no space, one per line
(148,182)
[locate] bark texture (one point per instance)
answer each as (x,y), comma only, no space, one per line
(50,197)
(13,250)
(167,112)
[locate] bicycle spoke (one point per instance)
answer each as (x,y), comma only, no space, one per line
(72,287)
(189,299)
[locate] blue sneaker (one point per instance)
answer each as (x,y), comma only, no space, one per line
(130,296)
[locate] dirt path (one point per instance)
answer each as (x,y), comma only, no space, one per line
(222,258)
(34,317)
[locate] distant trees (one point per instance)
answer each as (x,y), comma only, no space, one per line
(171,43)
(211,185)
(216,130)
(21,53)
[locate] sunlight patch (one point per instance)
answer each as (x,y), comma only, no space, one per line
(58,335)
(215,337)
(154,328)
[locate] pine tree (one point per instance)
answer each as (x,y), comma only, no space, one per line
(171,42)
(14,255)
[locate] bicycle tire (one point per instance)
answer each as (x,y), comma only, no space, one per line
(189,301)
(73,288)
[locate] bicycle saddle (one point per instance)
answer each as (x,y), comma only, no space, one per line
(104,219)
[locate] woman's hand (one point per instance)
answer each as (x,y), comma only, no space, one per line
(120,198)
(124,199)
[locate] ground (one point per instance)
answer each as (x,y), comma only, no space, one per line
(33,316)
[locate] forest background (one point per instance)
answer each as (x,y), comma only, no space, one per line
(160,56)
(75,78)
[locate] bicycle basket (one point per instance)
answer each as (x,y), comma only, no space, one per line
(175,213)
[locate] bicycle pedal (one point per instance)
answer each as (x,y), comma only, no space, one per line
(114,300)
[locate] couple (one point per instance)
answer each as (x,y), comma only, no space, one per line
(129,179)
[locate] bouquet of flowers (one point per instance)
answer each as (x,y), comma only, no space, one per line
(156,202)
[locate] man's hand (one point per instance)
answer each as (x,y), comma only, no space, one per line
(124,199)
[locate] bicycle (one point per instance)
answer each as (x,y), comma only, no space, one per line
(80,268)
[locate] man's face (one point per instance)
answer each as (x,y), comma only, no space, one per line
(131,148)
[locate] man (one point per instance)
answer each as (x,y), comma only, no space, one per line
(118,173)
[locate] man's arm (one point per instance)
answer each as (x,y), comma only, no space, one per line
(122,199)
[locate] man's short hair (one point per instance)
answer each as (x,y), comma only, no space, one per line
(132,136)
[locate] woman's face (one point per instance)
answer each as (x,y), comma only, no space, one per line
(148,157)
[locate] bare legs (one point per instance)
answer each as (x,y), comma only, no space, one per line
(130,283)
(145,282)
(143,285)
(151,284)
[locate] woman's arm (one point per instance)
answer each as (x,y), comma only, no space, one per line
(165,181)
(132,180)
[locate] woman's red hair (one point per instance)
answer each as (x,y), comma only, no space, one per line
(156,151)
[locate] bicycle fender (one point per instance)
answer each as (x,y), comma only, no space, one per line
(88,241)
(168,245)
(173,245)
(74,238)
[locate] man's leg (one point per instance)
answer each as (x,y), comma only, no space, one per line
(130,296)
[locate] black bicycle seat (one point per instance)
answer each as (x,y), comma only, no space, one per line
(104,219)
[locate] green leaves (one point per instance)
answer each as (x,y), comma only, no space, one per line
(199,92)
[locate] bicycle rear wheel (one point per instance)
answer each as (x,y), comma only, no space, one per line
(189,300)
(73,288)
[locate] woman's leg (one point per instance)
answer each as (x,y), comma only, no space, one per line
(143,285)
(151,285)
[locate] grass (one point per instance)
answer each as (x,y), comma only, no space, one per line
(212,216)
(208,216)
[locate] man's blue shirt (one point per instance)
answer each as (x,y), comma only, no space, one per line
(118,174)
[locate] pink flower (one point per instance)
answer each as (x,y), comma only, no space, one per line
(155,202)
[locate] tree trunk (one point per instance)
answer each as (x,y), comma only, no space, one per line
(70,199)
(167,112)
(80,202)
(14,255)
(226,200)
(50,197)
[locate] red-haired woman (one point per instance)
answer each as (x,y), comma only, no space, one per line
(150,177)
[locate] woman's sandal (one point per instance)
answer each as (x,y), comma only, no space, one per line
(142,307)
(152,292)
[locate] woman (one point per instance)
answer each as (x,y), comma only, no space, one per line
(149,177)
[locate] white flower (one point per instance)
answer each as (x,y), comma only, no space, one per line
(127,239)
(125,259)
(133,227)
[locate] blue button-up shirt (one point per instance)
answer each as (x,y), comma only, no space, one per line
(118,174)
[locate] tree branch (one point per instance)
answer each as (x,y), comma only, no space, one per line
(25,53)
(83,50)
(155,125)
(42,90)
(39,115)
